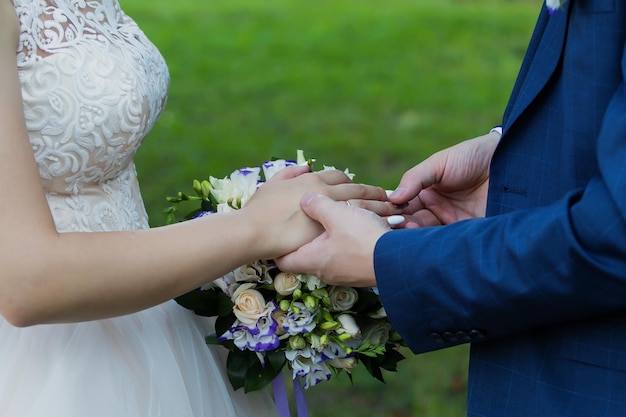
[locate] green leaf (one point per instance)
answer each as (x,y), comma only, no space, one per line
(211,339)
(202,302)
(237,365)
(223,323)
(224,305)
(276,359)
(258,376)
(372,367)
(390,360)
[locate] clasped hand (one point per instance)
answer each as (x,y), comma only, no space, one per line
(449,186)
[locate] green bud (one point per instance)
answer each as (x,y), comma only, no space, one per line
(329,325)
(197,187)
(327,316)
(205,187)
(324,339)
(320,293)
(314,339)
(310,302)
(297,342)
(344,336)
(297,294)
(284,305)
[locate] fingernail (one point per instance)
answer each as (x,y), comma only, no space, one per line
(397,193)
(306,199)
(395,220)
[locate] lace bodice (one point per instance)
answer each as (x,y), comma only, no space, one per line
(93,86)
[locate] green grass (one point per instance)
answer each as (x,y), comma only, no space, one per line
(374,86)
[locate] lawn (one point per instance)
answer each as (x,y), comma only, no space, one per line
(370,85)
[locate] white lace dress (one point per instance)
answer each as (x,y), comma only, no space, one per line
(93,86)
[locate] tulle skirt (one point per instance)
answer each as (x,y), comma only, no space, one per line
(149,364)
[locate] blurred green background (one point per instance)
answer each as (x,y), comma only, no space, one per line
(373,86)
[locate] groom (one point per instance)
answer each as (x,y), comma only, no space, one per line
(538,286)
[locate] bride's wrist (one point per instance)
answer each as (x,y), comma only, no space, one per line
(251,233)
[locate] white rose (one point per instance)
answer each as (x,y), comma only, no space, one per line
(253,272)
(286,283)
(377,332)
(342,298)
(249,304)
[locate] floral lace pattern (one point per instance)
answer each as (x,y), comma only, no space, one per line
(93,86)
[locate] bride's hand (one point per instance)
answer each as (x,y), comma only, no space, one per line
(274,210)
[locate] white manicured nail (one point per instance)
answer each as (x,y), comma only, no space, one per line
(389,192)
(395,220)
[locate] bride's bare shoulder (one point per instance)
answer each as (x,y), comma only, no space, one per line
(9,25)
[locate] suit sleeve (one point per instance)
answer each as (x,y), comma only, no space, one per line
(490,277)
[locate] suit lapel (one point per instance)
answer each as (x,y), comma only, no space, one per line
(540,62)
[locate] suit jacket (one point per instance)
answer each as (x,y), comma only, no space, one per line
(539,285)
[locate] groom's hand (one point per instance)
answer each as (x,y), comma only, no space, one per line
(274,215)
(344,253)
(449,186)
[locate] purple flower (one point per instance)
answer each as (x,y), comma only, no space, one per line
(553,6)
(258,338)
(202,214)
(307,364)
(270,168)
(299,320)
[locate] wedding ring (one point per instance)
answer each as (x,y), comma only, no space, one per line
(348,203)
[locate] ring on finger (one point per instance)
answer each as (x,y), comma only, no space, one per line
(348,203)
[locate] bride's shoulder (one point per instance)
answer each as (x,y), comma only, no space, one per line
(9,25)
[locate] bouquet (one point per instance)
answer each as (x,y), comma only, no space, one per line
(268,318)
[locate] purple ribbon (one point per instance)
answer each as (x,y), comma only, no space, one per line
(281,400)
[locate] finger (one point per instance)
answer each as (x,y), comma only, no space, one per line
(413,181)
(291,172)
(319,207)
(351,191)
(298,262)
(333,176)
(422,218)
(382,208)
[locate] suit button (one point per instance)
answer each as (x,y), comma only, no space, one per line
(437,338)
(476,334)
(450,337)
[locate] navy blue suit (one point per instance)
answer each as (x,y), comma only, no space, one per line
(539,285)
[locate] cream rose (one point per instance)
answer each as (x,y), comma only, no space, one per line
(279,316)
(249,304)
(342,298)
(286,283)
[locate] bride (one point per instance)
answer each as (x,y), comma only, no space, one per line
(86,326)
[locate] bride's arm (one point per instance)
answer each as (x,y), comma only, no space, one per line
(46,276)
